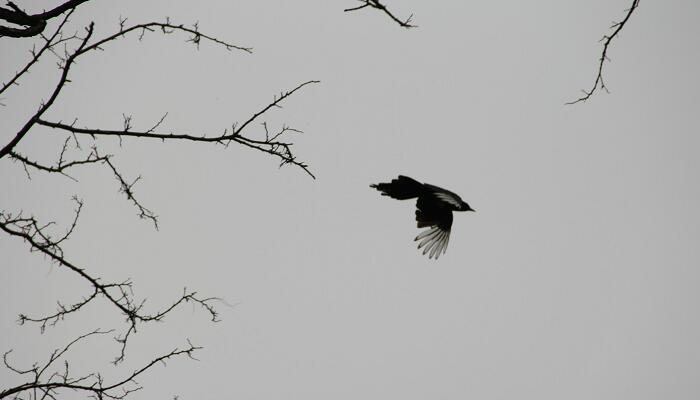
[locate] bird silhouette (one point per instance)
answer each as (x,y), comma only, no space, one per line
(434,210)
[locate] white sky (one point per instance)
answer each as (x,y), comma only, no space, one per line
(576,278)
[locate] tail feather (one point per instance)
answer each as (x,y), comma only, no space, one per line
(402,188)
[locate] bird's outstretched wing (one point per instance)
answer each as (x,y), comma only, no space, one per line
(445,195)
(439,219)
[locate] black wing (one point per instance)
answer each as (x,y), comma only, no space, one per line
(445,195)
(401,188)
(432,213)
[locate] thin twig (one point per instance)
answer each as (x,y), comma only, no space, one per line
(379,6)
(599,82)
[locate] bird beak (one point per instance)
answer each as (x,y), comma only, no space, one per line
(471,209)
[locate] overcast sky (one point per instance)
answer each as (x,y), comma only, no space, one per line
(576,278)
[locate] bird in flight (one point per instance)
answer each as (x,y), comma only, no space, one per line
(434,210)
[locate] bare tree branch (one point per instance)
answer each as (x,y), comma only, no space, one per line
(166,28)
(126,188)
(61,164)
(45,106)
(48,44)
(92,384)
(43,238)
(379,6)
(86,46)
(34,24)
(277,148)
(599,82)
(270,145)
(120,295)
(92,158)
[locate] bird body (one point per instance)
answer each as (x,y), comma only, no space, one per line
(434,210)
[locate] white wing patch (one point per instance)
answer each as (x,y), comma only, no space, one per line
(435,241)
(448,198)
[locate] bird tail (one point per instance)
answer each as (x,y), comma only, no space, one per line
(401,188)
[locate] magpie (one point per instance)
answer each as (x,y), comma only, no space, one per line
(434,210)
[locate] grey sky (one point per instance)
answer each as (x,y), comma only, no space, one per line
(576,278)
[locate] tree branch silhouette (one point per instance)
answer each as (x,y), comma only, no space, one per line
(269,145)
(85,46)
(61,165)
(50,42)
(379,6)
(45,239)
(118,294)
(46,384)
(33,24)
(607,39)
(280,149)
